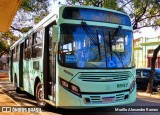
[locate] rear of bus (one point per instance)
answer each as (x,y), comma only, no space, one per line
(95,65)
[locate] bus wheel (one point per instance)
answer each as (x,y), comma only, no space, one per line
(40,95)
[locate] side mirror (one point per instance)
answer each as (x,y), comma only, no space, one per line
(55,33)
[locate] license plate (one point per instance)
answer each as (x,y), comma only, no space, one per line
(108,99)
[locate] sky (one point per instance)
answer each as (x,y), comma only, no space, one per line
(147,32)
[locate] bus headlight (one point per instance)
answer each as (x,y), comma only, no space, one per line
(64,84)
(132,86)
(75,89)
(70,87)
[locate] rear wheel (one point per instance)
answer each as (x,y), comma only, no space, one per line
(40,95)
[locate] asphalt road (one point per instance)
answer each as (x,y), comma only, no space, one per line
(141,102)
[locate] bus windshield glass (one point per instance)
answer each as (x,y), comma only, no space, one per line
(84,46)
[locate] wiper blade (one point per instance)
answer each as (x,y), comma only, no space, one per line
(110,44)
(94,37)
(89,32)
(99,49)
(117,31)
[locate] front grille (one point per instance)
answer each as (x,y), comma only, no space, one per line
(97,99)
(105,77)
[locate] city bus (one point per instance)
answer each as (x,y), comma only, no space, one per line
(77,56)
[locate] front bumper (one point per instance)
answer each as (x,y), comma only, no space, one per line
(69,100)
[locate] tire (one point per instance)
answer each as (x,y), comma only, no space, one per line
(158,88)
(40,95)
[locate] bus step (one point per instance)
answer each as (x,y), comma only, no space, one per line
(50,102)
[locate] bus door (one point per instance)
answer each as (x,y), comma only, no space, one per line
(21,65)
(26,61)
(49,65)
(11,66)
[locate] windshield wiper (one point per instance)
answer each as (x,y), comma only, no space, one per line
(117,31)
(93,36)
(112,40)
(110,43)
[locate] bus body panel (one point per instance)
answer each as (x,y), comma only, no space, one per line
(15,71)
(93,90)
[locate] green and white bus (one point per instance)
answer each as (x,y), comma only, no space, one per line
(78,56)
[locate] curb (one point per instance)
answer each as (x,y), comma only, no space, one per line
(148,95)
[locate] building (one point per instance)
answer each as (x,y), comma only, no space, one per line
(143,51)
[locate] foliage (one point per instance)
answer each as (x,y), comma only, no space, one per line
(5,40)
(30,13)
(37,8)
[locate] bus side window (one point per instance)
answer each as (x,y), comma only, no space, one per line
(14,55)
(17,52)
(27,48)
(37,44)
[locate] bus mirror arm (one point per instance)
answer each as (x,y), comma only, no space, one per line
(55,33)
(56,48)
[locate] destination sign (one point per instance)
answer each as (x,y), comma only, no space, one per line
(95,15)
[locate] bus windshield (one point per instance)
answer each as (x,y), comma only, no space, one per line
(94,47)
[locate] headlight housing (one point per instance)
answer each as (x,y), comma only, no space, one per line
(132,86)
(70,87)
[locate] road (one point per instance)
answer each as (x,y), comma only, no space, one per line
(28,100)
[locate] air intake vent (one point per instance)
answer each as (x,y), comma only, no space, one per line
(95,99)
(105,77)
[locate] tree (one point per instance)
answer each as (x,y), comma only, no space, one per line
(99,3)
(153,63)
(30,13)
(5,40)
